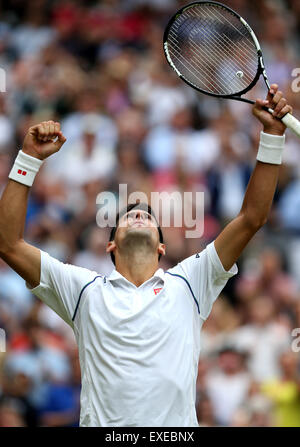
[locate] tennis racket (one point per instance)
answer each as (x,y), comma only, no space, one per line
(215,51)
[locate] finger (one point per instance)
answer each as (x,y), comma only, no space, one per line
(273,90)
(60,141)
(33,130)
(56,128)
(40,132)
(45,131)
(261,103)
(51,127)
(48,130)
(277,97)
(56,131)
(284,111)
(281,104)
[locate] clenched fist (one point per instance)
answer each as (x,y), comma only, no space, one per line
(43,140)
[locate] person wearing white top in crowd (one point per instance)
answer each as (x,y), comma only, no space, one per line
(228,385)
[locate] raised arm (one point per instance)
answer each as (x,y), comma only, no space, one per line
(262,184)
(22,257)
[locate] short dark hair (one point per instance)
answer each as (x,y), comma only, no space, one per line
(131,206)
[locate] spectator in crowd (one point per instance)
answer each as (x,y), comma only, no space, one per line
(263,338)
(205,414)
(228,385)
(17,387)
(61,405)
(35,356)
(11,413)
(93,257)
(285,391)
(86,159)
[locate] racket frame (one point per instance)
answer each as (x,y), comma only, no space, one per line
(260,68)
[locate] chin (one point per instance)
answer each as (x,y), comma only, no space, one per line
(140,235)
(139,231)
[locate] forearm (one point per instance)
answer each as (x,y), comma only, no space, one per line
(40,142)
(262,185)
(260,193)
(13,207)
(253,215)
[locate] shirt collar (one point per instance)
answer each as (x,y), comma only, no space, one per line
(115,275)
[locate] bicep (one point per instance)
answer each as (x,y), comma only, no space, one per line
(233,239)
(25,259)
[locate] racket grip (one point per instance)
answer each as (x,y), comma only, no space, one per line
(292,123)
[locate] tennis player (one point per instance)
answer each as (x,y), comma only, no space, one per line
(138,330)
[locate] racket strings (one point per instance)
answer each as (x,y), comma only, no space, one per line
(223,35)
(241,34)
(223,75)
(217,54)
(198,49)
(228,67)
(206,72)
(205,75)
(195,50)
(213,50)
(223,44)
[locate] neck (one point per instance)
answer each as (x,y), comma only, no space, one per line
(137,267)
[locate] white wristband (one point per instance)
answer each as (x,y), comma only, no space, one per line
(25,169)
(270,148)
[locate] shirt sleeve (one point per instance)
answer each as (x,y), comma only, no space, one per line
(60,285)
(206,276)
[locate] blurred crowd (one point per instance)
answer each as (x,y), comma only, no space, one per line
(98,68)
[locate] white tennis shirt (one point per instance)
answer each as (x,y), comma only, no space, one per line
(138,346)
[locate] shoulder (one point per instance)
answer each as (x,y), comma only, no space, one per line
(202,258)
(55,271)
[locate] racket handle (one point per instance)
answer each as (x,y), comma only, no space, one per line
(292,123)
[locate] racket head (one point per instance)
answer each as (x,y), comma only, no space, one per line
(204,38)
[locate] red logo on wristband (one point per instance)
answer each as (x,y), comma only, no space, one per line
(22,172)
